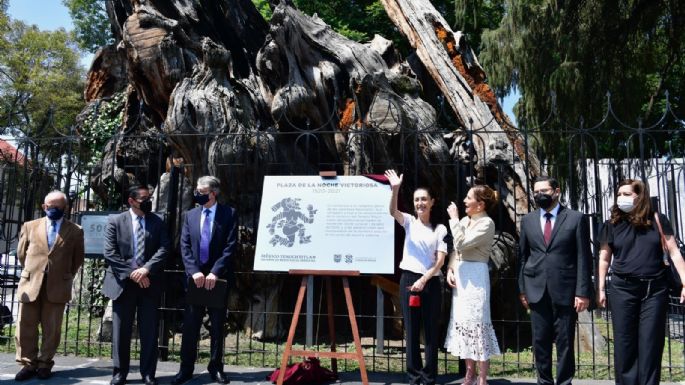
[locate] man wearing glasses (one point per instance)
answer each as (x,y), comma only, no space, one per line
(136,245)
(208,240)
(554,278)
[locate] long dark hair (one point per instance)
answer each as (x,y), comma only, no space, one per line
(641,215)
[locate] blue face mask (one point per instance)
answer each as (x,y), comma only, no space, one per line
(54,213)
(201,199)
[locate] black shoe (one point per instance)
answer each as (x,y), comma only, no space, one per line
(149,380)
(181,378)
(219,377)
(117,380)
(44,373)
(26,373)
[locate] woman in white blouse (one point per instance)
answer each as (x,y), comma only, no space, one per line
(420,288)
(470,334)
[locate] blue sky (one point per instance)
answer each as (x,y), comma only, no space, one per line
(46,14)
(52,14)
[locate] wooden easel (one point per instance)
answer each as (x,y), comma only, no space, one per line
(333,354)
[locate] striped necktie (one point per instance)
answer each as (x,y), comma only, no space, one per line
(140,243)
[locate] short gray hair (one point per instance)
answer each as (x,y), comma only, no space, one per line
(55,194)
(212,182)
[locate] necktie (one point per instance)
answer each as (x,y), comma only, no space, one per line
(52,234)
(205,236)
(140,243)
(547,234)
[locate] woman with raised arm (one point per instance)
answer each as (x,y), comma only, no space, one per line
(420,288)
(470,334)
(632,242)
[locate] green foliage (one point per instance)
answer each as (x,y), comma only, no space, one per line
(580,51)
(473,17)
(355,19)
(91,24)
(360,20)
(40,80)
(264,8)
(101,123)
(92,299)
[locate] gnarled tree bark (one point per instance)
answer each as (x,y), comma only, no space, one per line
(455,69)
(213,84)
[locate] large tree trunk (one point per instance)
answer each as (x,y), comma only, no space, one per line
(455,70)
(211,84)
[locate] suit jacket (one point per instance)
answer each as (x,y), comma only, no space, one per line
(564,266)
(221,246)
(118,252)
(62,261)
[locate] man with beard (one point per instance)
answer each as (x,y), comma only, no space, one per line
(554,278)
(136,245)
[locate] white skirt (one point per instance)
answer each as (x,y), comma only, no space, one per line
(470,334)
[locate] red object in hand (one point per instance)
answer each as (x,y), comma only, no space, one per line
(414,300)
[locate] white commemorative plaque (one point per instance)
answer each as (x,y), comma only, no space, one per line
(312,223)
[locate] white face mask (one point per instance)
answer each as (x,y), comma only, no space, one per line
(625,204)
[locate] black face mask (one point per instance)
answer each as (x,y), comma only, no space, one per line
(201,199)
(146,206)
(544,201)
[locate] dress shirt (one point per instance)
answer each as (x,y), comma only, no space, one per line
(554,212)
(134,221)
(212,213)
(58,224)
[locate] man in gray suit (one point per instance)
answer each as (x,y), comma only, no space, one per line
(554,278)
(136,245)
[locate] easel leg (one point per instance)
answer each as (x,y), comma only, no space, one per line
(331,322)
(291,332)
(355,331)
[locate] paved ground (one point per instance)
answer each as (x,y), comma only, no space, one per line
(77,370)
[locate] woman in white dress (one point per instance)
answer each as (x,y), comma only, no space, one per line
(471,335)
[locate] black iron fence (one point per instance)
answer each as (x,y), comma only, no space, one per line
(589,159)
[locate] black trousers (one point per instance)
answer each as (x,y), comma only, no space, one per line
(553,322)
(638,315)
(145,303)
(192,322)
(426,315)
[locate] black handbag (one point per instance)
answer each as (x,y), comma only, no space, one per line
(675,285)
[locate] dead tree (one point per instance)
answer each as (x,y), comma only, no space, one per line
(213,84)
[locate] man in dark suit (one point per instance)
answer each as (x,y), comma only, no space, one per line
(50,251)
(554,278)
(208,241)
(136,245)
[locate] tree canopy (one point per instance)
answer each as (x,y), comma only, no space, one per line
(91,24)
(577,51)
(580,50)
(41,82)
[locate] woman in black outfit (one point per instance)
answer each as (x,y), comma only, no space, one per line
(638,290)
